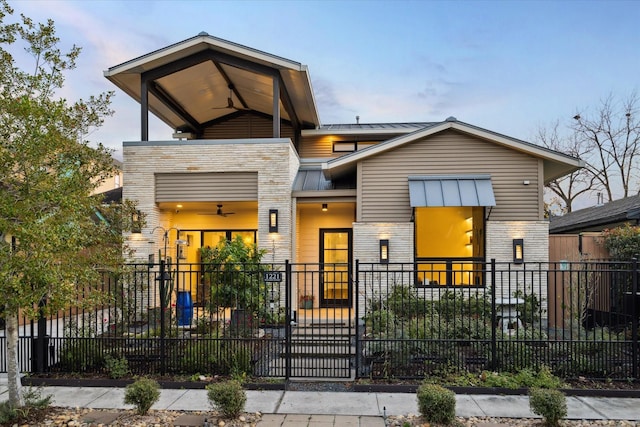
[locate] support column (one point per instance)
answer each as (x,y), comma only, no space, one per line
(276,106)
(144,110)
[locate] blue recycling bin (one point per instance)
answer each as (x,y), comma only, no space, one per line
(184,308)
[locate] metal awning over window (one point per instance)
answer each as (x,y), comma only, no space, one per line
(451,190)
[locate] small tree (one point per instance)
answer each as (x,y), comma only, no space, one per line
(234,273)
(623,243)
(52,241)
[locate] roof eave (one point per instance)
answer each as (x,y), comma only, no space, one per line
(562,164)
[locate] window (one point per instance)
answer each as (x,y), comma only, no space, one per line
(449,245)
(350,146)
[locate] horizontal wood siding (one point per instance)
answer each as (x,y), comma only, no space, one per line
(310,219)
(385,193)
(246,126)
(206,187)
(321,147)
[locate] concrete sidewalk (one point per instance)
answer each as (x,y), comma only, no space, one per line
(302,408)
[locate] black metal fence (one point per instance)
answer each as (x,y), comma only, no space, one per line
(577,318)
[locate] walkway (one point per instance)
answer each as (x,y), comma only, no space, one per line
(314,408)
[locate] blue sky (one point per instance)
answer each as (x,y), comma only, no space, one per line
(508,66)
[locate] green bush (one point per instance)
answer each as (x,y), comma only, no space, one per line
(436,403)
(405,303)
(143,394)
(550,404)
(200,356)
(228,397)
(116,367)
(380,321)
(81,355)
(33,399)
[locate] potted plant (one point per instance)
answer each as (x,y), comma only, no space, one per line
(306,301)
(233,272)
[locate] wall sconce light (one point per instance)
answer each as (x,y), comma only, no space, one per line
(518,251)
(273,220)
(384,251)
(325,207)
(136,226)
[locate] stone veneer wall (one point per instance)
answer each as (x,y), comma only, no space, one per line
(525,277)
(366,247)
(275,160)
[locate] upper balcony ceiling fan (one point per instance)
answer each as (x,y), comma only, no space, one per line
(230,104)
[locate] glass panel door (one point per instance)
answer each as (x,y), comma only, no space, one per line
(335,263)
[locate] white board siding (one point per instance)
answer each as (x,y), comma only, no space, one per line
(206,187)
(383,186)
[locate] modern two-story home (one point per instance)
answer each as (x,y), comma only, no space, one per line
(249,156)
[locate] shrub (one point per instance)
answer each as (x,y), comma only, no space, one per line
(228,397)
(143,394)
(81,355)
(405,303)
(199,356)
(436,403)
(116,367)
(380,321)
(550,404)
(33,400)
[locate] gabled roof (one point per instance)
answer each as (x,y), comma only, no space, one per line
(597,218)
(555,164)
(203,78)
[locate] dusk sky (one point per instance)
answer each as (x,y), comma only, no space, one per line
(507,66)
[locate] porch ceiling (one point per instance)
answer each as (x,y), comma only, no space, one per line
(203,79)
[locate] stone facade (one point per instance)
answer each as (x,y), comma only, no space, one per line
(526,277)
(275,161)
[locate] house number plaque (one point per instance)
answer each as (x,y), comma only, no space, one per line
(272,276)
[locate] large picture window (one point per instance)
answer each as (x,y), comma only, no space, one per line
(449,245)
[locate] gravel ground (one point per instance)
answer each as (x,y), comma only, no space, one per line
(78,418)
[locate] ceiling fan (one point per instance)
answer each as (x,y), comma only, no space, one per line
(230,104)
(219,212)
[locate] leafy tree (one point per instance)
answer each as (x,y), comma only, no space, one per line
(623,243)
(53,243)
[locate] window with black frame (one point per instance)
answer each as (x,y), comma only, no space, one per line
(449,245)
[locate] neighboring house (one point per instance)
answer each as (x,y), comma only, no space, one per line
(112,182)
(248,140)
(598,218)
(577,236)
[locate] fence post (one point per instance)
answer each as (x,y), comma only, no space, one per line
(163,307)
(40,344)
(493,363)
(356,319)
(634,319)
(289,319)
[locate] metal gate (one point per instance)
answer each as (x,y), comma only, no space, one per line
(320,340)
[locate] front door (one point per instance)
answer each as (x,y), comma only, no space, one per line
(335,264)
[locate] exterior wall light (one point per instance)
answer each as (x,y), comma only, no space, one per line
(518,251)
(136,226)
(384,251)
(325,207)
(273,220)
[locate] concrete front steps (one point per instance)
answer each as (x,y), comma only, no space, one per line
(322,350)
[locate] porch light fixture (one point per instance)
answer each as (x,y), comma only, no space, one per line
(325,207)
(518,251)
(384,251)
(136,227)
(273,220)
